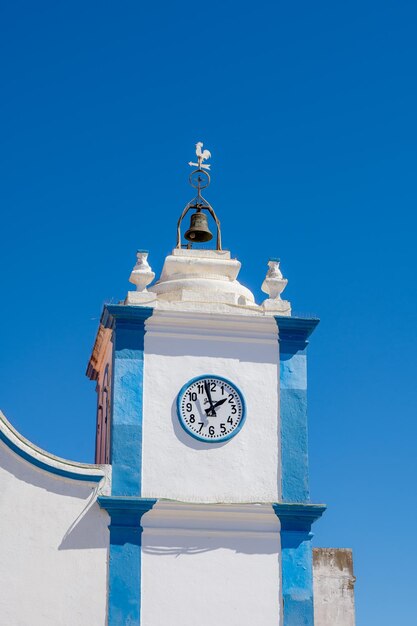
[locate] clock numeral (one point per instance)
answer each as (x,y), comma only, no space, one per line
(200,388)
(189,407)
(211,430)
(212,386)
(192,396)
(222,388)
(233,409)
(192,418)
(230,420)
(201,424)
(231,398)
(223,428)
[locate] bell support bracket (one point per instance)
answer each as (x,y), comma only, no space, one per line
(206,207)
(200,179)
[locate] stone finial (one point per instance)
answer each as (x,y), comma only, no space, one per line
(141,276)
(274,284)
(142,273)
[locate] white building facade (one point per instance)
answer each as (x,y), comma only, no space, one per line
(197,510)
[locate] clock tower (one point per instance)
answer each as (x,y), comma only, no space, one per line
(202,415)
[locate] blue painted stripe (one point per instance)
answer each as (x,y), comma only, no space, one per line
(292,334)
(297,579)
(91,478)
(128,325)
(295,513)
(125,557)
(125,505)
(294,446)
(296,561)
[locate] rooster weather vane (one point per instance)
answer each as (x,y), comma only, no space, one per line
(199,178)
(202,155)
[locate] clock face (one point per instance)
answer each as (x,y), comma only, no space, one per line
(211,408)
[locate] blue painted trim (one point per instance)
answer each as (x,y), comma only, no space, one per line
(133,314)
(295,330)
(128,325)
(297,561)
(126,510)
(293,333)
(297,516)
(48,468)
(297,579)
(195,435)
(125,557)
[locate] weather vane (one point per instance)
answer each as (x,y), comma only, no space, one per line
(202,155)
(199,178)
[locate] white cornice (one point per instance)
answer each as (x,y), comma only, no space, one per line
(172,517)
(216,326)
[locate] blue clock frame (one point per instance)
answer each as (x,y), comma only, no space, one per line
(195,435)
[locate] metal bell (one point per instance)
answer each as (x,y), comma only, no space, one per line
(199,230)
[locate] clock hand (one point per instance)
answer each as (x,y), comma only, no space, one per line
(216,404)
(207,388)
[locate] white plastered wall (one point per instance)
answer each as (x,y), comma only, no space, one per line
(53,546)
(179,347)
(210,564)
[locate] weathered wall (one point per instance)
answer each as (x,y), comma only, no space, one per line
(103,389)
(333,587)
(176,466)
(53,541)
(210,564)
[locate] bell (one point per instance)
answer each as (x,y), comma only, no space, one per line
(199,230)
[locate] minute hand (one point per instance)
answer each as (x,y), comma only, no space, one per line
(207,388)
(216,404)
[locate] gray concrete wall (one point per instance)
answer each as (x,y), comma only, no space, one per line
(334,581)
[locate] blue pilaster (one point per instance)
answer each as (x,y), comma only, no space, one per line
(124,578)
(128,324)
(295,513)
(125,506)
(292,334)
(296,561)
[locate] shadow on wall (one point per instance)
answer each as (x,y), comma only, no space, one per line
(89,528)
(186,439)
(187,544)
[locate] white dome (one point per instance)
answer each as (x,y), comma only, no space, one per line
(202,276)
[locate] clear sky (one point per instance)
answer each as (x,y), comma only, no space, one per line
(309,110)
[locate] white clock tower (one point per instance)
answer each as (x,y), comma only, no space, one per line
(197,509)
(202,416)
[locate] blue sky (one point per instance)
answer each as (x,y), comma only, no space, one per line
(309,110)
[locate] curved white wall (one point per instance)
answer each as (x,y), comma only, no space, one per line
(53,547)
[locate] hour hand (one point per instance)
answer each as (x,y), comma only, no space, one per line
(216,404)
